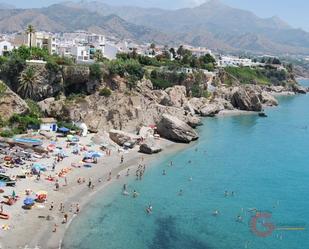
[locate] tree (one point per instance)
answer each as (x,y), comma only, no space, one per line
(30,31)
(28,80)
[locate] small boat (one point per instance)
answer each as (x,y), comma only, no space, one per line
(4,216)
(262,114)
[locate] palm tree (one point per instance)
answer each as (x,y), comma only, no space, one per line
(28,80)
(30,31)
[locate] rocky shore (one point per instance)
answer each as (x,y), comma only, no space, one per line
(128,116)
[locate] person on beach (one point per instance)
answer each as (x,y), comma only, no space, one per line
(61,207)
(65,181)
(65,218)
(51,206)
(124,188)
(55,228)
(57,185)
(71,208)
(77,208)
(128,172)
(1,209)
(118,175)
(109,176)
(121,159)
(171,163)
(89,183)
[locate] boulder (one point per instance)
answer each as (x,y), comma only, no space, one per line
(197,104)
(177,95)
(149,148)
(246,98)
(189,108)
(193,121)
(146,132)
(176,130)
(268,99)
(122,137)
(299,89)
(210,110)
(10,102)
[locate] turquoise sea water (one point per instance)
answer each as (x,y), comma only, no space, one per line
(265,161)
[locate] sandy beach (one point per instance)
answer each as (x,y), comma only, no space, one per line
(34,228)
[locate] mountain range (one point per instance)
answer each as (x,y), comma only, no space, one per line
(212,24)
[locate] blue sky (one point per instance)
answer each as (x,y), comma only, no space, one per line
(295,12)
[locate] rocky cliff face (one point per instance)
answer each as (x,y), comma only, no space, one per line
(145,106)
(10,103)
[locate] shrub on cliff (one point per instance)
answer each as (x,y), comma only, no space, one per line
(96,72)
(106,92)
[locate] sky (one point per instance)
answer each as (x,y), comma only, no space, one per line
(295,12)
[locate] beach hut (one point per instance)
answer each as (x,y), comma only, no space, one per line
(48,124)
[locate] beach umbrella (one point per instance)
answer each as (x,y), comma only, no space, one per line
(97,154)
(29,201)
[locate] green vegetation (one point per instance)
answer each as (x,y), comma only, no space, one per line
(95,71)
(28,80)
(21,123)
(35,110)
(262,76)
(106,92)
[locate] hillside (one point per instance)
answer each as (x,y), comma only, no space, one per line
(212,24)
(215,25)
(59,18)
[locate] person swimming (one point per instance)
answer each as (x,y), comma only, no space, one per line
(149,209)
(226,193)
(164,172)
(215,213)
(135,194)
(190,178)
(180,192)
(239,218)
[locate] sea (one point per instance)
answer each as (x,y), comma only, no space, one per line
(243,184)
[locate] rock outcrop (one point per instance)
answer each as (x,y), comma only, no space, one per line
(10,103)
(246,98)
(121,137)
(210,110)
(267,99)
(299,89)
(149,148)
(176,130)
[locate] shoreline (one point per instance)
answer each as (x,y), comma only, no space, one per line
(40,230)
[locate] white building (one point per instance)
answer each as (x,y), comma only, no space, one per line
(80,53)
(48,124)
(5,47)
(231,61)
